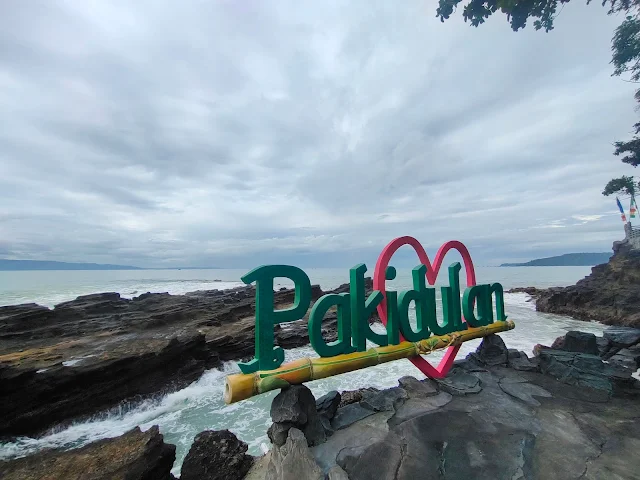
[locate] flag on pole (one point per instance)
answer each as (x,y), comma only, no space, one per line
(624,217)
(633,208)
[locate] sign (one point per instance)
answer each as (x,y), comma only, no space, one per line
(469,312)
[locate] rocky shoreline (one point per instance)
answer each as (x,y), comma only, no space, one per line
(610,294)
(98,351)
(564,413)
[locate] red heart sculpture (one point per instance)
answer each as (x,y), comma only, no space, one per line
(379,280)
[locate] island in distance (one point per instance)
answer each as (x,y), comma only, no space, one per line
(566,260)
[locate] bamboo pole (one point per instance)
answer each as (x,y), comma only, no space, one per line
(242,386)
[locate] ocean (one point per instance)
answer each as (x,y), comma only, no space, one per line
(183,414)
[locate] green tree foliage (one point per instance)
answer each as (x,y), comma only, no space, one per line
(623,184)
(625,46)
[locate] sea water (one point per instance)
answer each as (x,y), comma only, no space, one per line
(184,413)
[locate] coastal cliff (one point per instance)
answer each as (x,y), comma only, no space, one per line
(610,294)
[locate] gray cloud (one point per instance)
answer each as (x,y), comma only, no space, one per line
(231,133)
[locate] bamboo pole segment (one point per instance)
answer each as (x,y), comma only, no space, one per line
(242,386)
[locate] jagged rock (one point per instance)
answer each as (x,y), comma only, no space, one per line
(293,460)
(216,455)
(384,400)
(628,358)
(417,388)
(136,455)
(492,351)
(459,382)
(609,294)
(54,366)
(354,396)
(520,361)
(295,406)
(349,414)
(580,342)
(622,337)
(328,404)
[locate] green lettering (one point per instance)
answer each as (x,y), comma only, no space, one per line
(267,356)
(320,308)
(497,289)
(362,309)
(481,295)
(419,295)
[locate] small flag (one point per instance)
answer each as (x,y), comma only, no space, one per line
(633,208)
(624,217)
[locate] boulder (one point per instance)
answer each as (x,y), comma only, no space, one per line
(350,414)
(136,455)
(385,400)
(580,342)
(328,404)
(216,455)
(293,460)
(295,406)
(492,351)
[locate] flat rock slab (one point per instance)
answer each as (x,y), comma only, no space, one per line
(459,382)
(417,388)
(525,392)
(385,400)
(350,414)
(415,407)
(622,336)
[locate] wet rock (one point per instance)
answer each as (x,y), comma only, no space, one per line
(415,407)
(580,342)
(293,460)
(492,351)
(417,388)
(136,455)
(295,406)
(350,414)
(385,400)
(328,404)
(627,358)
(216,455)
(459,382)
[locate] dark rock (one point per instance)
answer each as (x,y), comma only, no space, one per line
(610,294)
(353,396)
(525,392)
(278,432)
(558,343)
(492,351)
(349,414)
(328,404)
(580,342)
(603,346)
(459,382)
(417,388)
(136,455)
(293,460)
(216,455)
(622,337)
(386,400)
(524,364)
(296,407)
(627,358)
(415,407)
(115,349)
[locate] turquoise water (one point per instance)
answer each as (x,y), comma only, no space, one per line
(183,414)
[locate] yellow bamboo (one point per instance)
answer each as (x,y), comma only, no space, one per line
(242,386)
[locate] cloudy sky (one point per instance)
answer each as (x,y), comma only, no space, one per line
(229,133)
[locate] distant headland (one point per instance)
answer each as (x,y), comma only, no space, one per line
(17,265)
(566,260)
